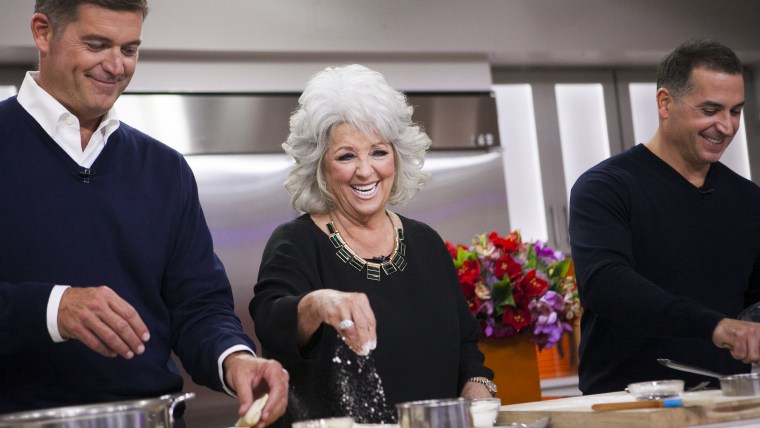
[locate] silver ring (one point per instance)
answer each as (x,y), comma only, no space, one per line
(346,324)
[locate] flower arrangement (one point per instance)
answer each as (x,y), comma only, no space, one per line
(515,287)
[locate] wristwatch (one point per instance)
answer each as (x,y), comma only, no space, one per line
(490,386)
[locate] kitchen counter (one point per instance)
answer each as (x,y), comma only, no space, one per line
(576,412)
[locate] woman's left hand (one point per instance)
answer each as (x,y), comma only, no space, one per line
(475,390)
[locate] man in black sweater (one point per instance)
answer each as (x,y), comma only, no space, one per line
(666,239)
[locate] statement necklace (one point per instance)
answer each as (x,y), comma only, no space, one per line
(391,264)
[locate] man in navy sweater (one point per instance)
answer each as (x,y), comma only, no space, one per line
(666,239)
(106,261)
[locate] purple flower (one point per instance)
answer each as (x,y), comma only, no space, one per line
(503,330)
(555,300)
(494,330)
(546,254)
(552,331)
(487,308)
(547,326)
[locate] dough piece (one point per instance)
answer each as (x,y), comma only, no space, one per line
(253,414)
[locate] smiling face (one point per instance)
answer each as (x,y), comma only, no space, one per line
(359,172)
(89,65)
(701,124)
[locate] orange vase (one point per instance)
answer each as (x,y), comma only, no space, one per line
(515,368)
(561,360)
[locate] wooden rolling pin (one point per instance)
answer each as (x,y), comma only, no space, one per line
(652,404)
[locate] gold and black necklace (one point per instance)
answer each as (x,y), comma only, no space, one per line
(391,264)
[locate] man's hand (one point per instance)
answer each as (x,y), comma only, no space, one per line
(103,321)
(741,337)
(251,377)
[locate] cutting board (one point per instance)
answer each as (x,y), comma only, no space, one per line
(575,412)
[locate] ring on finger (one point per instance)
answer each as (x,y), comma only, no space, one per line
(346,324)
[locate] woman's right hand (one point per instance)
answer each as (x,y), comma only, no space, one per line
(349,314)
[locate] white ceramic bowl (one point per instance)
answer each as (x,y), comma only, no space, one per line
(484,411)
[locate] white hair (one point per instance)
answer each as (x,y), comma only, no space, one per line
(357,96)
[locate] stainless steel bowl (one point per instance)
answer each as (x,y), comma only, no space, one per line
(740,384)
(451,413)
(730,385)
(148,413)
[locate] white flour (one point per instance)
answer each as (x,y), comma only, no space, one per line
(360,388)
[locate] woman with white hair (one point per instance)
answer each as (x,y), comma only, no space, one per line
(361,305)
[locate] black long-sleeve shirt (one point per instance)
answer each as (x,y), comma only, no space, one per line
(659,263)
(426,336)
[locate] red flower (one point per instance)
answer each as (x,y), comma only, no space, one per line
(453,249)
(468,289)
(474,304)
(507,266)
(521,298)
(469,274)
(510,244)
(516,317)
(532,285)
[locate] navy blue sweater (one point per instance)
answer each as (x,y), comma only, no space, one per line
(136,227)
(659,264)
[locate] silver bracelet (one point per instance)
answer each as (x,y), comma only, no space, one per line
(490,386)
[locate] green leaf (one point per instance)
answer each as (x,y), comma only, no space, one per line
(531,259)
(564,267)
(463,255)
(501,294)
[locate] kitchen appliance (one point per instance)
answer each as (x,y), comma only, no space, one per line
(148,413)
(233,144)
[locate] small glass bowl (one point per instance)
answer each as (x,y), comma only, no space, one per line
(656,389)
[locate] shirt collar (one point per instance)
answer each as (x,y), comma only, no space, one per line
(48,112)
